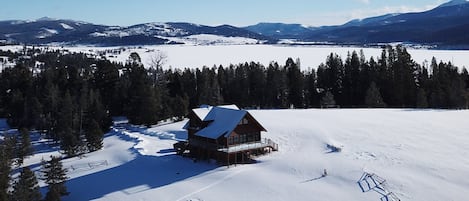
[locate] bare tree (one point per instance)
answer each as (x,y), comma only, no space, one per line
(156,63)
(158,60)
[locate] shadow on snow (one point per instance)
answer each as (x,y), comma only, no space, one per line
(139,175)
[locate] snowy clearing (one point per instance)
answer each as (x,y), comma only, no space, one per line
(197,56)
(421,155)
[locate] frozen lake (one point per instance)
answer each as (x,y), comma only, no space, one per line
(187,56)
(181,56)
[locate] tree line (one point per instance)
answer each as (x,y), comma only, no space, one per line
(26,187)
(71,97)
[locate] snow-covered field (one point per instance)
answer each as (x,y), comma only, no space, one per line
(422,155)
(197,56)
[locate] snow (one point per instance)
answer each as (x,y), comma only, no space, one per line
(210,39)
(202,112)
(197,56)
(223,122)
(46,33)
(52,31)
(66,26)
(422,155)
(205,109)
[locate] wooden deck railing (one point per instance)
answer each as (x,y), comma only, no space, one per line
(263,143)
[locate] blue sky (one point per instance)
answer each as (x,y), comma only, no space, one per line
(209,12)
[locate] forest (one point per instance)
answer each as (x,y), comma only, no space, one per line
(71,97)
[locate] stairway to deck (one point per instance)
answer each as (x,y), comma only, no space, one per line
(272,144)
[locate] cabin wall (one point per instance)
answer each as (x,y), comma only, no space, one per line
(245,137)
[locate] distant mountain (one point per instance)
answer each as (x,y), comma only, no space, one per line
(446,26)
(47,30)
(281,30)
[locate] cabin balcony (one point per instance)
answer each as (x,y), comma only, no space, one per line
(263,143)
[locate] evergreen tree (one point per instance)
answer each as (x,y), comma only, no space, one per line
(330,76)
(143,100)
(373,97)
(312,95)
(276,87)
(55,177)
(24,148)
(27,187)
(94,136)
(328,100)
(257,81)
(179,107)
(295,83)
(68,138)
(106,79)
(351,83)
(6,152)
(422,101)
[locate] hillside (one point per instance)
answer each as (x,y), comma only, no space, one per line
(420,153)
(442,27)
(70,32)
(429,27)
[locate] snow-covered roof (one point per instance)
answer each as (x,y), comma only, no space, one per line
(224,121)
(205,109)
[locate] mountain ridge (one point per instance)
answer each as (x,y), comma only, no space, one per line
(443,27)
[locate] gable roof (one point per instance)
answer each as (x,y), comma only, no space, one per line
(224,121)
(203,111)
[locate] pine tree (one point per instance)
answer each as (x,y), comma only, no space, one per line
(55,177)
(27,187)
(373,97)
(295,83)
(68,138)
(328,100)
(6,149)
(422,100)
(143,100)
(94,136)
(24,148)
(312,94)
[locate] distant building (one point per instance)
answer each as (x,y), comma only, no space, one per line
(226,134)
(120,121)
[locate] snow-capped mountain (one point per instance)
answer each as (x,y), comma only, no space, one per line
(445,26)
(47,30)
(280,30)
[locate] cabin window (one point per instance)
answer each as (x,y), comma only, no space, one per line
(244,121)
(244,138)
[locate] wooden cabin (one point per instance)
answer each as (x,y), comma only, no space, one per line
(226,134)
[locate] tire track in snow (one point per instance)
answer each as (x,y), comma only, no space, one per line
(211,185)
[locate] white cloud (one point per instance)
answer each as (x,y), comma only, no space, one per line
(341,17)
(364,1)
(362,13)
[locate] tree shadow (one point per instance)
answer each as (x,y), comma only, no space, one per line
(313,179)
(141,174)
(179,134)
